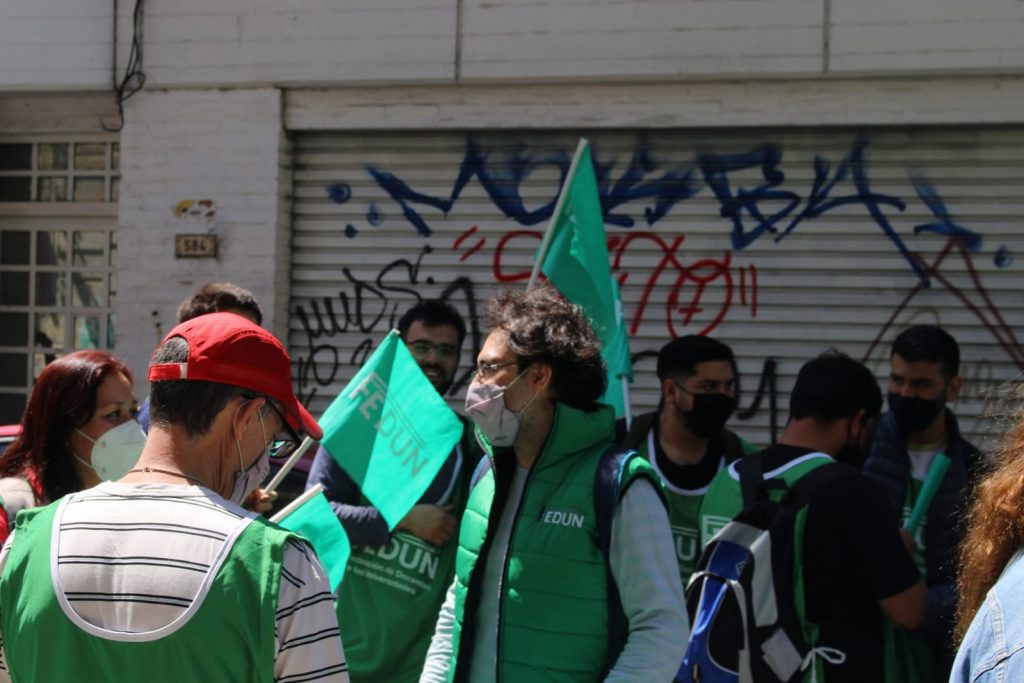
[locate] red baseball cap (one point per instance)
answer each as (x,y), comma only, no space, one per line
(227,348)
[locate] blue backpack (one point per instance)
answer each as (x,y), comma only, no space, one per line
(742,599)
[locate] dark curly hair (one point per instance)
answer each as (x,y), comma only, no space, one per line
(545,328)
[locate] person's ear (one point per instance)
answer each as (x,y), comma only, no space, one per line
(669,389)
(245,413)
(953,388)
(540,375)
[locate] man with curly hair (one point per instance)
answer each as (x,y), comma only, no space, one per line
(537,595)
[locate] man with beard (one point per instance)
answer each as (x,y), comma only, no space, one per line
(685,440)
(565,570)
(395,582)
(923,378)
(853,565)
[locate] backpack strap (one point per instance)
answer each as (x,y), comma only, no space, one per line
(638,430)
(482,468)
(805,487)
(732,446)
(607,494)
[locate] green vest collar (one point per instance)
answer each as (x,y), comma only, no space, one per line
(572,432)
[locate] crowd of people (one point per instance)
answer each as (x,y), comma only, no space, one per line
(556,543)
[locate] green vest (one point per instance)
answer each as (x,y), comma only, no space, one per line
(389,600)
(684,504)
(553,603)
(230,637)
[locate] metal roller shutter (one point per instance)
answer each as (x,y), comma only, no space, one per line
(782,243)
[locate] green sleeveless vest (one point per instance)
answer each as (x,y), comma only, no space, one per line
(388,603)
(553,607)
(683,504)
(230,637)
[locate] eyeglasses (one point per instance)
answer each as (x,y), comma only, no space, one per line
(488,370)
(422,349)
(284,444)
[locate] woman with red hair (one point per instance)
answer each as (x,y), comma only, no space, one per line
(990,621)
(77,430)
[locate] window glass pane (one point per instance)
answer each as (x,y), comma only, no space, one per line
(14,289)
(115,156)
(87,332)
(16,157)
(52,190)
(13,329)
(115,189)
(91,156)
(40,359)
(88,249)
(50,330)
(50,289)
(11,408)
(110,331)
(52,248)
(53,156)
(15,189)
(13,368)
(14,247)
(87,290)
(90,190)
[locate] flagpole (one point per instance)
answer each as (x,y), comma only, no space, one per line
(297,503)
(556,213)
(288,465)
(625,401)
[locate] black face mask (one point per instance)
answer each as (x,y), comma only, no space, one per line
(913,414)
(709,414)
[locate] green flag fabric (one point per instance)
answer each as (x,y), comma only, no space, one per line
(315,520)
(390,430)
(576,263)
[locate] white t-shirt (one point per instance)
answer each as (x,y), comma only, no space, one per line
(133,558)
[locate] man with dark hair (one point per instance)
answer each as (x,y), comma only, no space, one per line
(395,582)
(854,565)
(213,297)
(555,579)
(924,376)
(222,297)
(685,440)
(162,576)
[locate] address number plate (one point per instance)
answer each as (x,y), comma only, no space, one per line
(195,246)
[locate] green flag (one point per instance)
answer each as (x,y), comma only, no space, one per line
(390,430)
(574,257)
(315,520)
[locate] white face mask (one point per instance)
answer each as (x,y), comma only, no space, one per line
(485,405)
(116,451)
(248,479)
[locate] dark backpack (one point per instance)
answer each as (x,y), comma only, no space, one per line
(741,598)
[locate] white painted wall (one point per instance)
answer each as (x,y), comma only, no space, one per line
(227,146)
(47,44)
(52,44)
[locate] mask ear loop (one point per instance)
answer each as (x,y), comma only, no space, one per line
(76,456)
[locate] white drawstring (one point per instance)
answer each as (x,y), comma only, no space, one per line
(829,654)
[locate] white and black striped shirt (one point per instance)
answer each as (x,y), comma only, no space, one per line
(133,559)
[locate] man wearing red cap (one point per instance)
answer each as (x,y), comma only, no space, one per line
(162,576)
